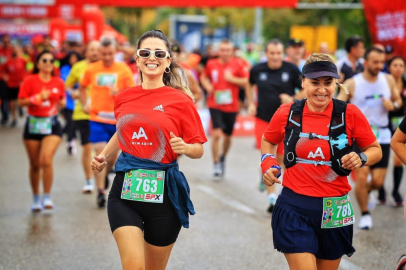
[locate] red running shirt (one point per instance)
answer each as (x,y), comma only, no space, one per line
(321,180)
(215,72)
(33,85)
(145,119)
(15,69)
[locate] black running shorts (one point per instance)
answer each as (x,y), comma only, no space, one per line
(84,130)
(158,221)
(223,120)
(56,130)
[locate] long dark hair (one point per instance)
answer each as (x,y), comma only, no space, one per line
(176,78)
(36,70)
(394,58)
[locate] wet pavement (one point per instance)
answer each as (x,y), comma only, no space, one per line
(231,229)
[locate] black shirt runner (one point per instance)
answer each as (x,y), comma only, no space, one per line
(271,83)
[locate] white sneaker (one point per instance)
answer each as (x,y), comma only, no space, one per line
(217,170)
(88,187)
(365,222)
(371,201)
(36,207)
(272,200)
(48,204)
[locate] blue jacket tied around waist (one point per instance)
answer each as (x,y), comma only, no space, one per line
(178,188)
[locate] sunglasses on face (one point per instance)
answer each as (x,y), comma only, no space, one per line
(159,54)
(45,60)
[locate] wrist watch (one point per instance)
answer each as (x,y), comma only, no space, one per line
(363,158)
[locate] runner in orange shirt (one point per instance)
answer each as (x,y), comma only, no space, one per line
(104,79)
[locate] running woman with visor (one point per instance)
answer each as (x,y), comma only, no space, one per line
(318,133)
(156,122)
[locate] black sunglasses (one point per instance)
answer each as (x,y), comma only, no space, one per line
(45,60)
(160,54)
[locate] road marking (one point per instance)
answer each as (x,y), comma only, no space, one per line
(347,265)
(228,201)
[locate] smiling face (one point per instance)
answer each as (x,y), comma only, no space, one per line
(46,63)
(319,92)
(153,67)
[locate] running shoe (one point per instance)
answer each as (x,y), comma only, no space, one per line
(72,150)
(272,200)
(371,201)
(398,199)
(101,200)
(365,222)
(88,187)
(217,170)
(36,207)
(401,263)
(13,123)
(223,164)
(262,186)
(48,204)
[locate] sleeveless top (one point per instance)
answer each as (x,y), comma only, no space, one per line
(368,98)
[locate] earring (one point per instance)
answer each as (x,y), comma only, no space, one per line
(167,70)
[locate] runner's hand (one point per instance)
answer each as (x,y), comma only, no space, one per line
(45,94)
(98,163)
(285,98)
(270,177)
(351,161)
(75,94)
(178,145)
(252,110)
(228,76)
(388,105)
(86,109)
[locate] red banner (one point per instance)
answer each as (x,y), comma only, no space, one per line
(66,11)
(387,23)
(24,29)
(183,3)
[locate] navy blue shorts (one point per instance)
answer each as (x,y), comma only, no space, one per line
(101,132)
(296,225)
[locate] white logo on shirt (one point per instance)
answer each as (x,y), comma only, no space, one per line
(318,153)
(159,108)
(285,76)
(263,76)
(55,90)
(140,134)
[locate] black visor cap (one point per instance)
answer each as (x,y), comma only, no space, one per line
(320,69)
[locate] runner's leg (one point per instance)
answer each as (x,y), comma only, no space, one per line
(33,149)
(378,177)
(328,264)
(87,159)
(156,258)
(130,243)
(361,188)
(301,261)
(100,177)
(226,144)
(215,145)
(49,144)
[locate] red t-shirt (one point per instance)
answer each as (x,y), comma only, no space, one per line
(320,180)
(15,69)
(5,54)
(145,119)
(225,94)
(33,85)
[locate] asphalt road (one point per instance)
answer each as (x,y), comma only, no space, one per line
(231,229)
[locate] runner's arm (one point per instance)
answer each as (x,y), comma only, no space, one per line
(111,148)
(242,82)
(395,97)
(206,83)
(83,97)
(249,93)
(398,145)
(350,86)
(270,175)
(352,161)
(194,86)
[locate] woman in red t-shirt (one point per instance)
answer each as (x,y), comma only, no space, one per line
(313,216)
(42,94)
(156,121)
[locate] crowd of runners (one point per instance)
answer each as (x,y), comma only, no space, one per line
(134,109)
